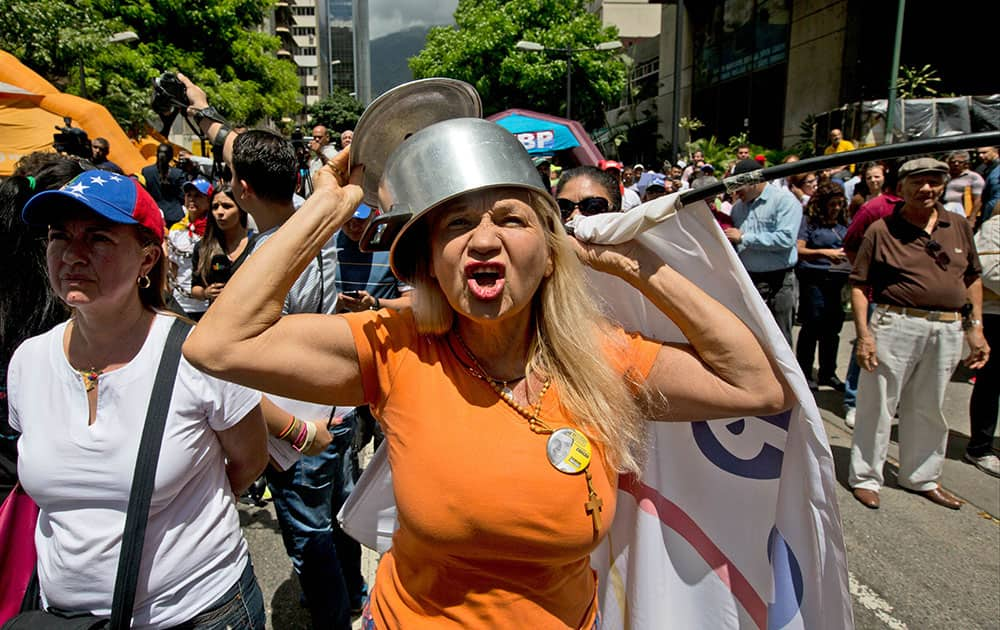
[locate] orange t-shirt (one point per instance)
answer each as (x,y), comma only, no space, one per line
(490,534)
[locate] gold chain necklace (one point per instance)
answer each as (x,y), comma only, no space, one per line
(91,375)
(506,394)
(579,441)
(499,385)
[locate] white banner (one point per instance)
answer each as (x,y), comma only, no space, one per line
(733,523)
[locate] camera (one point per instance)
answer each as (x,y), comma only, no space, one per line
(169,94)
(301,148)
(72,140)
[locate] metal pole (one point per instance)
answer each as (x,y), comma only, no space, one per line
(324,71)
(362,52)
(675,123)
(569,83)
(894,72)
(859,156)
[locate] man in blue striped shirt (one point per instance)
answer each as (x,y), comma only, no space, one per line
(766,222)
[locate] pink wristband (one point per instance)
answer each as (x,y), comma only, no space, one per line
(301,437)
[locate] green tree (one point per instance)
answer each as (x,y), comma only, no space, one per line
(922,82)
(214,42)
(480,49)
(337,112)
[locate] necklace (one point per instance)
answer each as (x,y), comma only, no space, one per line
(91,375)
(500,386)
(568,449)
(89,378)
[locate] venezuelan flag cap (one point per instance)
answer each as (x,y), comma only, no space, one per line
(117,198)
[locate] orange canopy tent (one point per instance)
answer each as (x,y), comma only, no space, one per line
(31,108)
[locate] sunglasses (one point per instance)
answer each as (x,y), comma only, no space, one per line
(941,258)
(588,206)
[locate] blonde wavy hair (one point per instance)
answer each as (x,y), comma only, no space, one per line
(574,344)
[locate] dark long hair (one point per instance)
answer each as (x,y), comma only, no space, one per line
(27,304)
(214,241)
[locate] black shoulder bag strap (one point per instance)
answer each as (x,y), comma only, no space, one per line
(322,282)
(142,481)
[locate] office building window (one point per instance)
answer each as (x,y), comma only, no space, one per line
(341,10)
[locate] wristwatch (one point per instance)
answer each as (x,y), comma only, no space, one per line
(210,113)
(971,323)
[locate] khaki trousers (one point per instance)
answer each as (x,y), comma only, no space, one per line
(916,358)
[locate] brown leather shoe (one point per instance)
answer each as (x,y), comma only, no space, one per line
(940,496)
(867,498)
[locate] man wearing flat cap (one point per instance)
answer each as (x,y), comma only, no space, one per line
(920,267)
(766,221)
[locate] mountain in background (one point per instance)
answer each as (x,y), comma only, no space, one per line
(389,54)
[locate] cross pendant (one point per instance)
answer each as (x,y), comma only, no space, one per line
(593,506)
(594,502)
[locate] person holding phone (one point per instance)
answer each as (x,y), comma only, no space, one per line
(364,279)
(226,245)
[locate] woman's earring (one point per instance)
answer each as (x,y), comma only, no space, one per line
(143,282)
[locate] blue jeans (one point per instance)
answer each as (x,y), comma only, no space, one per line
(307,496)
(241,608)
(854,371)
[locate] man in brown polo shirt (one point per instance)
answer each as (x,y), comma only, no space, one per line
(920,266)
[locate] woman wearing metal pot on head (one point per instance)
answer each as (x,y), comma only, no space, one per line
(79,394)
(509,404)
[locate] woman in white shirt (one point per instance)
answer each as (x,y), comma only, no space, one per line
(78,395)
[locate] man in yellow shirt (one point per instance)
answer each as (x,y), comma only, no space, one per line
(839,145)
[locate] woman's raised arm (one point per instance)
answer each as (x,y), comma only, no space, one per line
(243,337)
(724,372)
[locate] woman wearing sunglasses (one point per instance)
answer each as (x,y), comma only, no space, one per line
(587,190)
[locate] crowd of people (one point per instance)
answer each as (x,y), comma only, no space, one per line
(480,309)
(799,239)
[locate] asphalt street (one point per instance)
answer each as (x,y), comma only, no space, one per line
(912,564)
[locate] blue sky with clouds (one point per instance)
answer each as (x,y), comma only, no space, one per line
(390,16)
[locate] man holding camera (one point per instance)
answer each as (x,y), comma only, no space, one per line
(165,184)
(308,493)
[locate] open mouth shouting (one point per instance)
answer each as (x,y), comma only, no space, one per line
(485,279)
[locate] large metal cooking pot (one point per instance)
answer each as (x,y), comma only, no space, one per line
(401,112)
(436,165)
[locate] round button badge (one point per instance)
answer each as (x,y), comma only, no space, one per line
(568,450)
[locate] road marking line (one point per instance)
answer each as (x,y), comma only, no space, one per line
(871,600)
